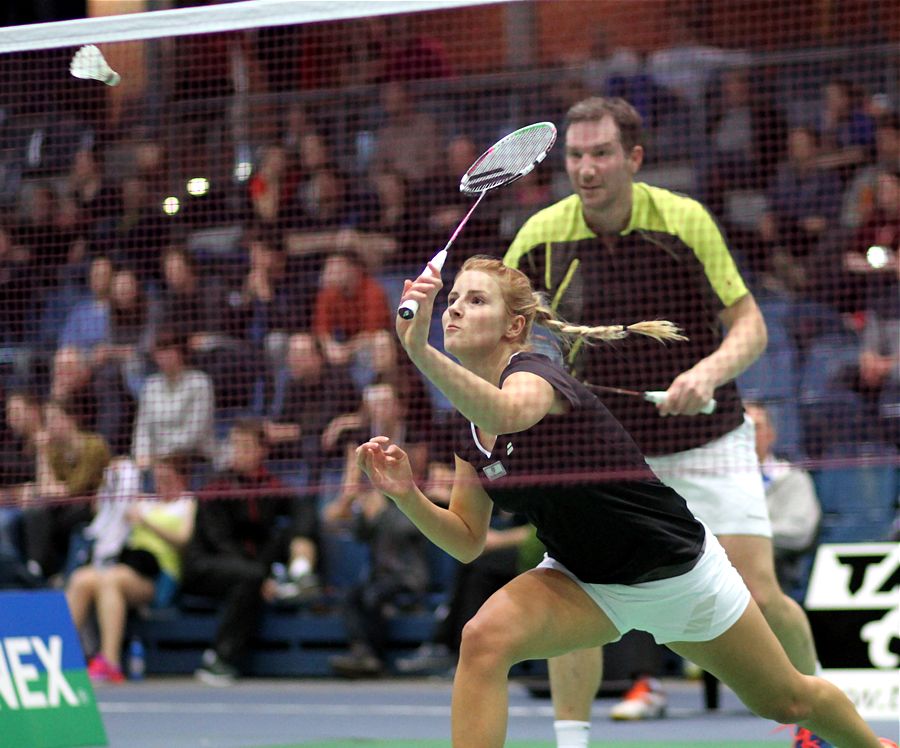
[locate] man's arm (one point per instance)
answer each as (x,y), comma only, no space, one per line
(744,342)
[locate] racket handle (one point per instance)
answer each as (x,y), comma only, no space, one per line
(409,307)
(657,397)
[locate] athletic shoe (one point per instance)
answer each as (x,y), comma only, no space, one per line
(298,590)
(644,700)
(361,662)
(803,738)
(215,671)
(101,670)
(429,658)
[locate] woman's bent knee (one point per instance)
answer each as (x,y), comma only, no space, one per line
(486,641)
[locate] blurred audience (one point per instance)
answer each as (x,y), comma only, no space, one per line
(350,305)
(846,129)
(87,325)
(859,198)
(308,394)
(685,65)
(409,142)
(135,236)
(72,383)
(266,301)
(248,521)
(398,563)
(39,231)
(17,303)
(195,307)
(871,259)
(804,203)
(791,497)
(747,138)
(475,582)
(69,470)
(95,199)
(271,186)
(147,569)
(175,410)
(18,466)
(120,364)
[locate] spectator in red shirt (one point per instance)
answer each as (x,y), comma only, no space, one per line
(350,305)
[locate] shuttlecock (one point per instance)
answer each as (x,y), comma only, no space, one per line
(89,63)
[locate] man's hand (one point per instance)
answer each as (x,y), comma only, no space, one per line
(688,394)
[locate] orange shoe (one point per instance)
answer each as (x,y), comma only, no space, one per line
(644,700)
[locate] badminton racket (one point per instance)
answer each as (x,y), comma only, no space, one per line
(88,63)
(654,396)
(509,159)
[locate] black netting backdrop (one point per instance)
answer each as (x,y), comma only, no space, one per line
(255,198)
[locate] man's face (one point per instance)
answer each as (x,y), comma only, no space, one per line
(176,271)
(303,358)
(247,454)
(100,277)
(168,360)
(17,415)
(600,171)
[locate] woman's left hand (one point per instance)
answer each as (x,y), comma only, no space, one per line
(387,467)
(413,333)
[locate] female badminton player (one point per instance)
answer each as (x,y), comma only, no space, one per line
(623,550)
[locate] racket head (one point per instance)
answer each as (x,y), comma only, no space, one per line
(510,158)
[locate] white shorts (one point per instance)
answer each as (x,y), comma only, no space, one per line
(721,482)
(694,607)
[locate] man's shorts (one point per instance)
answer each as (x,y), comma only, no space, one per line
(721,482)
(696,606)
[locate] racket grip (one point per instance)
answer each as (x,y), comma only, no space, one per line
(656,397)
(409,307)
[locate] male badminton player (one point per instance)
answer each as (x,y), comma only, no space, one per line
(623,552)
(615,249)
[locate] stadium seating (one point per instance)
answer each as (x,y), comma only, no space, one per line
(858,500)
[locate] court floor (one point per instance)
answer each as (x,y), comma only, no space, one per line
(402,713)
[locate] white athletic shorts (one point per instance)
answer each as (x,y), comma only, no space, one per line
(694,607)
(721,482)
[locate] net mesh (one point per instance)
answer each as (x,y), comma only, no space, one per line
(255,197)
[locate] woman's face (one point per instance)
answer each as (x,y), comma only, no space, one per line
(476,319)
(124,289)
(169,483)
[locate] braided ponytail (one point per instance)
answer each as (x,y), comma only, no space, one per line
(659,329)
(520,299)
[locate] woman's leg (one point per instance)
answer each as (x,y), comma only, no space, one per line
(539,614)
(749,659)
(120,587)
(81,591)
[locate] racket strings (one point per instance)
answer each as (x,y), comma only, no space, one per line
(511,158)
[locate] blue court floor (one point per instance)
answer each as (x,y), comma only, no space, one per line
(181,713)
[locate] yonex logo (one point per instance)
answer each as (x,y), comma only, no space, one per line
(17,677)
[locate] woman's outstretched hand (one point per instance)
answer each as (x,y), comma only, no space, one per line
(413,333)
(387,467)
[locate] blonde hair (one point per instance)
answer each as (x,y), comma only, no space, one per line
(521,299)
